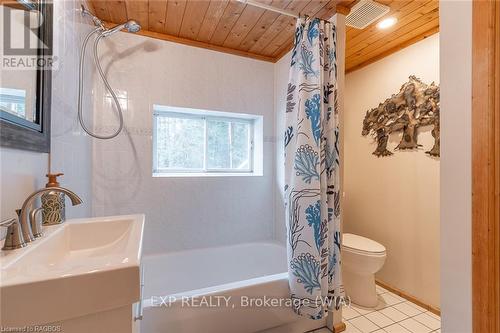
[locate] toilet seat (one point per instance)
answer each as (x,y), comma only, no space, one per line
(362,245)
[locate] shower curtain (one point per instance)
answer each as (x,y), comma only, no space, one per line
(312,182)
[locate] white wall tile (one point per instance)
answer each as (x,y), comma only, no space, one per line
(181,213)
(23,172)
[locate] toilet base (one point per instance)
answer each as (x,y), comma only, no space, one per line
(360,288)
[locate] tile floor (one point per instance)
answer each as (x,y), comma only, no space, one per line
(394,314)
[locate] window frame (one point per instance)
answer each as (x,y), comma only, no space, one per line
(187,113)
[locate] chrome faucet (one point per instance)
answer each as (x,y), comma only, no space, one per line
(26,228)
(14,239)
(20,231)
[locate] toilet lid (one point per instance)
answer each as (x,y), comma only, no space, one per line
(360,243)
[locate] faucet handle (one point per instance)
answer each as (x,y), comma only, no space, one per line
(14,239)
(36,227)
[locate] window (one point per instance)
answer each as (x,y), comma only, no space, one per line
(189,142)
(13,101)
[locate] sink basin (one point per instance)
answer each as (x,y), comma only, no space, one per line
(80,267)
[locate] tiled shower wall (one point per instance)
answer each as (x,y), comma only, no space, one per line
(22,172)
(181,213)
(70,147)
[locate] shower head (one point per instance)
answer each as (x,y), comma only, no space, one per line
(131,26)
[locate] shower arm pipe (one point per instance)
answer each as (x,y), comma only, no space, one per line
(95,19)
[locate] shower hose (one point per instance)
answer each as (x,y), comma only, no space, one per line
(106,83)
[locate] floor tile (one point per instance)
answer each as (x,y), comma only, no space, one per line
(396,328)
(349,312)
(414,326)
(361,310)
(364,325)
(350,328)
(429,321)
(418,307)
(402,299)
(380,290)
(433,315)
(393,314)
(391,299)
(407,309)
(379,319)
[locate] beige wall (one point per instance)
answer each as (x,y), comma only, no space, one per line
(394,200)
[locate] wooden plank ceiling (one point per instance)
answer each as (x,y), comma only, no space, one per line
(234,27)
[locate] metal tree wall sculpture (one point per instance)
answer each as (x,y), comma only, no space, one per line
(416,105)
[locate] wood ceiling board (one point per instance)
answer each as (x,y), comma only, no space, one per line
(237,28)
(193,18)
(175,15)
(265,21)
(411,20)
(399,10)
(393,6)
(371,34)
(325,13)
(199,44)
(247,20)
(405,32)
(101,10)
(352,67)
(157,15)
(138,10)
(392,43)
(211,19)
(285,37)
(227,21)
(117,10)
(278,25)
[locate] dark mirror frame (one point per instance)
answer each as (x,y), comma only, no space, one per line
(14,132)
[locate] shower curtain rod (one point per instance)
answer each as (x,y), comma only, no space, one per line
(271,8)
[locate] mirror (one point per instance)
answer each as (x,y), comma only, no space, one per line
(25,71)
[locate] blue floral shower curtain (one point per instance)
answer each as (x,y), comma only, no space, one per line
(312,190)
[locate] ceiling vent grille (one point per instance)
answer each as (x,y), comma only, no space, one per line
(365,13)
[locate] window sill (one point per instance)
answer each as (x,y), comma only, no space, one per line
(201,174)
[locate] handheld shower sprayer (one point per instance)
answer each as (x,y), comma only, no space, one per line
(131,26)
(101,31)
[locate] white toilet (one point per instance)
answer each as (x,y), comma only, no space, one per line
(361,259)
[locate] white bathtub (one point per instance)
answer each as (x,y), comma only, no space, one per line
(209,290)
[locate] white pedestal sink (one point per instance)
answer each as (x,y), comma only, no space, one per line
(81,276)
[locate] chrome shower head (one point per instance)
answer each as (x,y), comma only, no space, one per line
(131,26)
